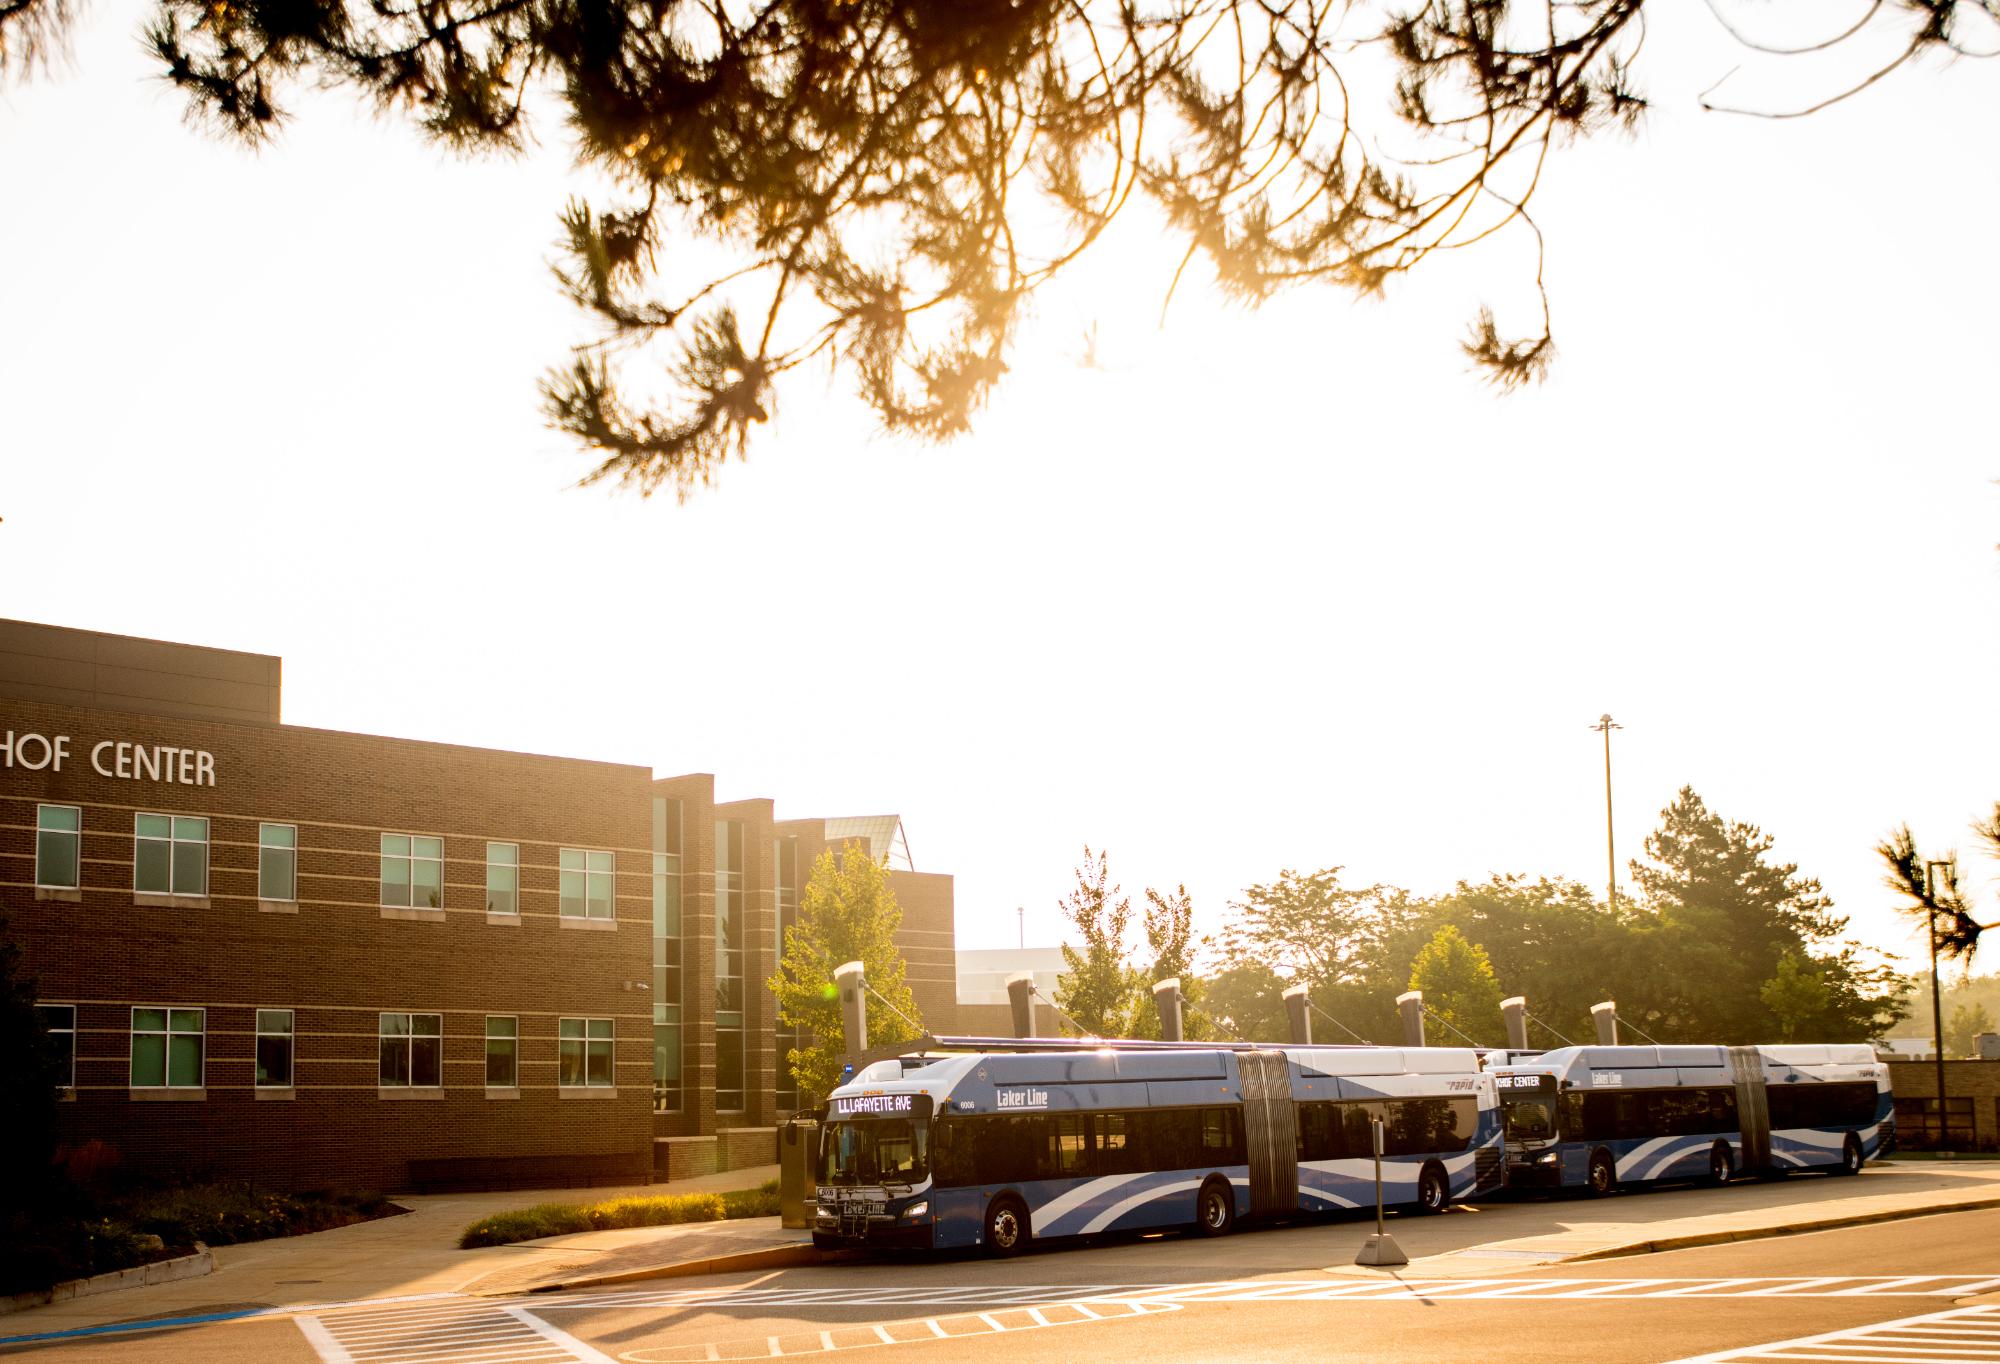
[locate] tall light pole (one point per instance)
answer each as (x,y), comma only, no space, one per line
(1605,724)
(1937,1001)
(1021,920)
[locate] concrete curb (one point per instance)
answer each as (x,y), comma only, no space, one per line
(138,1276)
(1716,1238)
(774,1257)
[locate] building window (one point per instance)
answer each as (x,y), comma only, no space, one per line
(503,1052)
(666,954)
(168,1047)
(277,862)
(170,855)
(412,871)
(1921,1127)
(58,847)
(274,1049)
(583,1053)
(412,1051)
(586,884)
(59,1022)
(729,966)
(503,878)
(785,870)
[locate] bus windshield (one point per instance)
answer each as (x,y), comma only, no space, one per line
(883,1151)
(1530,1119)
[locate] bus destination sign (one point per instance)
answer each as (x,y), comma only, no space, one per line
(882,1106)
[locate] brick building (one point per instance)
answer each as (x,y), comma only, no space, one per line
(1968,1120)
(321,958)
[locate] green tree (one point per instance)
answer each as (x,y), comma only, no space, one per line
(1799,1000)
(1962,1029)
(848,912)
(883,187)
(1552,941)
(28,1085)
(1718,917)
(1096,985)
(1169,924)
(1246,1000)
(1350,947)
(1458,985)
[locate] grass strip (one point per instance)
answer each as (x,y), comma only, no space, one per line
(657,1210)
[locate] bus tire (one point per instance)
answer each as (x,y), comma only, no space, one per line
(1851,1158)
(1007,1229)
(1433,1190)
(1603,1174)
(1215,1208)
(1721,1165)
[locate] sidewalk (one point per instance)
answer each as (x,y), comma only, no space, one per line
(414,1253)
(1602,1228)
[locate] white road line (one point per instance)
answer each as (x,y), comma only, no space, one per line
(1873,1288)
(322,1341)
(939,1331)
(994,1324)
(1874,1343)
(550,1331)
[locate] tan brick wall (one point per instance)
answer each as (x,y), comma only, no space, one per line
(337,961)
(1977,1080)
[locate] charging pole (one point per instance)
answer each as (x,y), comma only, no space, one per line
(1381,1248)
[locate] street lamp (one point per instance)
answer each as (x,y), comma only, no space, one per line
(1937,1002)
(1605,724)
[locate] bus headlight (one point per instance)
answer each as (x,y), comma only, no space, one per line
(916,1210)
(1548,1158)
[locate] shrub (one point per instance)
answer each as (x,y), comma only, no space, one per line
(661,1210)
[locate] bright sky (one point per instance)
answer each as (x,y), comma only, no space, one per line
(1282,589)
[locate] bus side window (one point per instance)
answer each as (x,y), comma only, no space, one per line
(1221,1137)
(1114,1148)
(1572,1117)
(1067,1146)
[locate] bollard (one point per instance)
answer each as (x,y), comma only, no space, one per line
(1381,1248)
(1605,1016)
(1514,1012)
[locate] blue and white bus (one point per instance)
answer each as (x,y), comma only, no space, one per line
(1593,1118)
(992,1148)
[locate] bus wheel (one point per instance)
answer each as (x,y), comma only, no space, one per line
(1721,1165)
(1215,1209)
(1433,1193)
(1851,1159)
(1603,1174)
(1006,1226)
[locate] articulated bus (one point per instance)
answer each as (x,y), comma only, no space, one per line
(991,1148)
(1592,1118)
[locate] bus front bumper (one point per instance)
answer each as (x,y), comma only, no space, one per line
(1530,1173)
(880,1232)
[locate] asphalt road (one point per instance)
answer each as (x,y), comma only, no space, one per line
(1183,1298)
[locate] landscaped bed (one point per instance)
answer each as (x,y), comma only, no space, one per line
(80,1232)
(662,1210)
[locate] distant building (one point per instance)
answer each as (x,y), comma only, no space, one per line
(1905,1049)
(983,1008)
(315,958)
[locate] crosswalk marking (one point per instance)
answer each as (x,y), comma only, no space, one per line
(1296,1290)
(522,1331)
(1960,1334)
